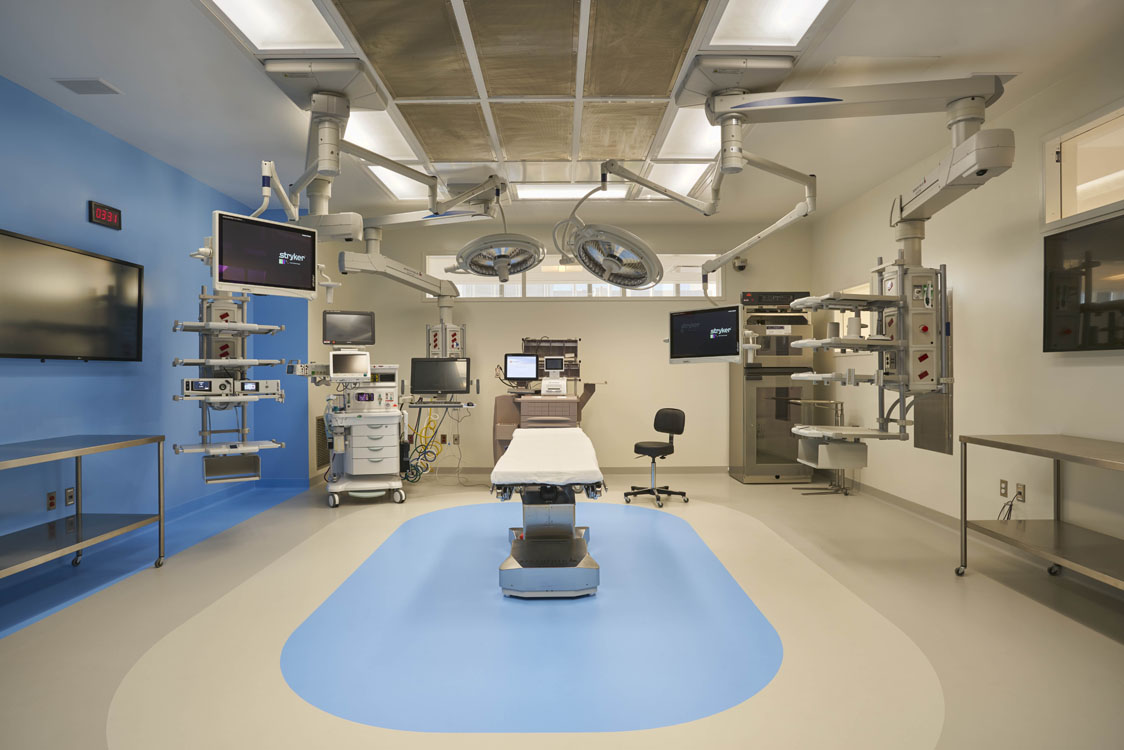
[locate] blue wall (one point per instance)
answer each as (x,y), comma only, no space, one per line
(54,163)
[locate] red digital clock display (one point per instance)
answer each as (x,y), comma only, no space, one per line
(105,215)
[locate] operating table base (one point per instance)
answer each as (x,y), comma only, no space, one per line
(549,567)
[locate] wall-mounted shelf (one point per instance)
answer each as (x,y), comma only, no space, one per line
(868,343)
(846,301)
(229,363)
(223,449)
(244,329)
(232,399)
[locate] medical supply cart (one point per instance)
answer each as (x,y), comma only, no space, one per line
(35,545)
(1088,552)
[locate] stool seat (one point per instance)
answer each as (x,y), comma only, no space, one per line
(654,448)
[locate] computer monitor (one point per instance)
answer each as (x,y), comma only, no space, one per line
(349,328)
(350,365)
(439,376)
(553,364)
(520,367)
(263,257)
(708,335)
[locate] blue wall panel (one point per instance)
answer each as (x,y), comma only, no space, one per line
(55,162)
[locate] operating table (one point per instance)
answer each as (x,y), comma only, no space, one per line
(549,553)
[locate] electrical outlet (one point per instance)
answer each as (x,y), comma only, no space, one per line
(1002,488)
(51,503)
(444,439)
(69,496)
(1020,493)
(456,439)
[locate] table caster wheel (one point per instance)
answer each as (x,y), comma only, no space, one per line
(628,499)
(333,500)
(960,570)
(399,496)
(686,499)
(1054,569)
(160,562)
(76,561)
(659,503)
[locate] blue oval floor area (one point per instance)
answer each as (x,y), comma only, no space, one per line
(420,638)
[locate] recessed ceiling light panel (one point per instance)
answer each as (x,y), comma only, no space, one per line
(402,188)
(765,23)
(569,191)
(376,131)
(280,24)
(691,136)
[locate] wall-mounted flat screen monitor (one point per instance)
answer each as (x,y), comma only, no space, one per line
(349,365)
(349,328)
(263,257)
(553,364)
(520,367)
(57,302)
(438,376)
(709,335)
(1084,294)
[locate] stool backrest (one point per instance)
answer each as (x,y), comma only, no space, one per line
(670,421)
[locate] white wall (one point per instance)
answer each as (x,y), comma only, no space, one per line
(991,242)
(621,347)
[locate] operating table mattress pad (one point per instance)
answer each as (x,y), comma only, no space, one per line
(552,455)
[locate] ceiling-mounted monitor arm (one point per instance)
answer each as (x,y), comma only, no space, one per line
(613,167)
(493,183)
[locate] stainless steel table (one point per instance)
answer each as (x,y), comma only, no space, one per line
(35,545)
(1088,552)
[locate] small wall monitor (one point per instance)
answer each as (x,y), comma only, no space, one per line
(553,364)
(709,335)
(349,328)
(521,367)
(350,365)
(1084,288)
(263,257)
(439,376)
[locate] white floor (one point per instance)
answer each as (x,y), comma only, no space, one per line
(885,647)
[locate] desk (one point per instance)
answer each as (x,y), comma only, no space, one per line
(1088,552)
(35,545)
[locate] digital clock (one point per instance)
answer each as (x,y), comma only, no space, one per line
(105,215)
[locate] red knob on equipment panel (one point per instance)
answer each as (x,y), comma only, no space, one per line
(924,329)
(923,357)
(923,374)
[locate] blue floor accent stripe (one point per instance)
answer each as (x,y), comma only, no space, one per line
(420,638)
(31,595)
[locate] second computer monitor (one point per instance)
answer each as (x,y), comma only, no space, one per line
(520,367)
(553,364)
(349,328)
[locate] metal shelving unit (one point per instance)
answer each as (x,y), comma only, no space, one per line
(43,542)
(1085,551)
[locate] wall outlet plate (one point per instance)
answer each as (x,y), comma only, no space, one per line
(1002,488)
(51,500)
(456,439)
(1020,492)
(68,497)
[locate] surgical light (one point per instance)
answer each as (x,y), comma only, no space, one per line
(280,24)
(501,255)
(765,23)
(617,256)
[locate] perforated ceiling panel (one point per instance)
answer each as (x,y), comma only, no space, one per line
(637,46)
(535,131)
(619,130)
(526,47)
(450,132)
(413,44)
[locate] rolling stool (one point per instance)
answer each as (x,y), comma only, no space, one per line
(669,421)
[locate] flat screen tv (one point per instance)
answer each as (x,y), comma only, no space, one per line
(1084,288)
(57,302)
(264,257)
(710,335)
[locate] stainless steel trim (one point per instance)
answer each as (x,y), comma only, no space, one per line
(111,442)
